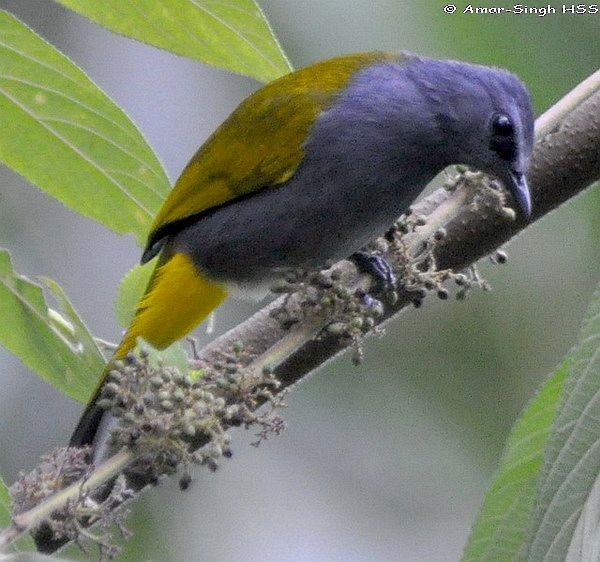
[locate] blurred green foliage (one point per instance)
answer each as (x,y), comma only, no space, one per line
(502,525)
(235,36)
(51,112)
(56,345)
(4,505)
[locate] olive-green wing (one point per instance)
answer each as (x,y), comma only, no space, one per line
(261,143)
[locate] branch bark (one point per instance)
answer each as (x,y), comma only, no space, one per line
(566,160)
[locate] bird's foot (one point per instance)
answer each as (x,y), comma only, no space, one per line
(378,268)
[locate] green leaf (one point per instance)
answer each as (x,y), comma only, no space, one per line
(566,519)
(56,345)
(232,34)
(502,523)
(131,289)
(24,543)
(62,133)
(4,505)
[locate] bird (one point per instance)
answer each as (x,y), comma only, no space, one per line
(310,168)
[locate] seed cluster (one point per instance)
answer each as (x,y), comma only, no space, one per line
(58,470)
(353,313)
(172,420)
(350,313)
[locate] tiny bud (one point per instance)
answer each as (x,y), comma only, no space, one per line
(440,234)
(171,460)
(508,213)
(117,412)
(232,411)
(336,328)
(156,382)
(460,279)
(185,481)
(420,294)
(105,403)
(134,435)
(166,405)
(442,294)
(110,389)
(189,430)
(342,292)
(114,376)
(501,257)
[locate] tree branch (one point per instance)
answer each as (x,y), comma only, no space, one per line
(566,160)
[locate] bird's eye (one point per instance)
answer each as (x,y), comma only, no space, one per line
(502,125)
(502,140)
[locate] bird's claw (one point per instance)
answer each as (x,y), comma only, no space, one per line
(378,268)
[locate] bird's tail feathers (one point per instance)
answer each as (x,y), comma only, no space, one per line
(177,299)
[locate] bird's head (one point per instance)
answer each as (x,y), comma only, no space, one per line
(488,114)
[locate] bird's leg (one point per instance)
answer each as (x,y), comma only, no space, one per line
(378,268)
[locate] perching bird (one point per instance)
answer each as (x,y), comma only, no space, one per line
(312,167)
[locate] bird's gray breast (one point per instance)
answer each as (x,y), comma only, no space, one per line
(358,175)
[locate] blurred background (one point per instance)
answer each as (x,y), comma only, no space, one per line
(386,461)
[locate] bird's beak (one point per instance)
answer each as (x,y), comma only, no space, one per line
(520,191)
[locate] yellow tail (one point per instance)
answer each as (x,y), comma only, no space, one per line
(177,299)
